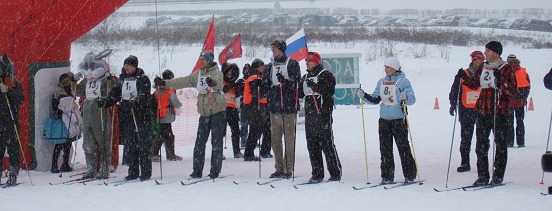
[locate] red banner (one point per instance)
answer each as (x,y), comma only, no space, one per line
(231,51)
(209,44)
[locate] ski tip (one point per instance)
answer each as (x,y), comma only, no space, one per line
(181,182)
(295,186)
(105,183)
(272,186)
(51,183)
(157,182)
(436,190)
(235,183)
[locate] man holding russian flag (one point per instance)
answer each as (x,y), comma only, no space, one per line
(282,75)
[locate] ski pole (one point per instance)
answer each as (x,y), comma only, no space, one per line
(547,142)
(295,129)
(453,130)
(411,142)
(18,139)
(364,135)
(494,130)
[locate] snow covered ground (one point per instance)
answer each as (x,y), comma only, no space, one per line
(431,78)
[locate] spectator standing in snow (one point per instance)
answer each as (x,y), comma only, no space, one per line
(10,90)
(255,109)
(497,81)
(466,114)
(282,76)
(230,73)
(393,91)
(318,87)
(167,102)
(518,101)
(136,111)
(211,106)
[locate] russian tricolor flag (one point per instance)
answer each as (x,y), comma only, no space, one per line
(297,46)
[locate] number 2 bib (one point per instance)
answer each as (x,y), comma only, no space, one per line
(487,79)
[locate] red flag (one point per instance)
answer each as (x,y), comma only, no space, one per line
(231,51)
(209,44)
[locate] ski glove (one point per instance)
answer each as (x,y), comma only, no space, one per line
(281,78)
(210,82)
(360,93)
(134,102)
(311,84)
(452,110)
(461,73)
(403,96)
(3,88)
(158,82)
(102,103)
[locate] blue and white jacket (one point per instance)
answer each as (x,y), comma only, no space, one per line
(390,108)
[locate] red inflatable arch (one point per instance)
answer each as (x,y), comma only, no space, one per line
(38,33)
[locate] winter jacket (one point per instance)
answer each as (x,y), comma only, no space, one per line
(464,114)
(59,92)
(16,98)
(548,80)
(209,103)
(506,86)
(282,99)
(394,110)
(256,88)
(520,95)
(173,102)
(146,106)
(91,112)
(323,92)
(71,116)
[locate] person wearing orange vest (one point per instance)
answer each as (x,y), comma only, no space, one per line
(166,112)
(255,108)
(467,116)
(230,73)
(517,103)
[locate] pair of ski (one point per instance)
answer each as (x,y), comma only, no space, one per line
(472,187)
(6,185)
(196,181)
(313,183)
(388,186)
(269,182)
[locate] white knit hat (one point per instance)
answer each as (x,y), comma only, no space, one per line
(393,63)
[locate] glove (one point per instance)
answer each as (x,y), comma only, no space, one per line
(158,82)
(210,82)
(452,110)
(102,103)
(311,84)
(77,76)
(3,88)
(134,102)
(402,96)
(360,93)
(461,73)
(281,78)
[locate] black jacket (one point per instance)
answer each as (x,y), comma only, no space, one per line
(289,88)
(325,87)
(16,98)
(146,105)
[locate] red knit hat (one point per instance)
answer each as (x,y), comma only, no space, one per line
(477,55)
(314,57)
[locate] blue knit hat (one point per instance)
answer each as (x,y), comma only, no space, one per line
(208,56)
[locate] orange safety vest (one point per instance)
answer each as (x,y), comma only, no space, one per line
(247,97)
(230,97)
(469,96)
(164,102)
(521,78)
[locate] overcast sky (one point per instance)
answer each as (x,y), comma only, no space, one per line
(440,4)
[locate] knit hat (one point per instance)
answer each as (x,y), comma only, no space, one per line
(208,56)
(280,44)
(257,63)
(494,46)
(167,74)
(65,79)
(131,60)
(510,57)
(314,57)
(477,55)
(393,63)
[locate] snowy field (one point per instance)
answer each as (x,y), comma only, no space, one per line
(431,78)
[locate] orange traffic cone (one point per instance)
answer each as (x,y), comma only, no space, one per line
(531,106)
(436,106)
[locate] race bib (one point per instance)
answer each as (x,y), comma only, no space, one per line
(306,89)
(487,79)
(129,90)
(279,68)
(202,86)
(93,89)
(388,92)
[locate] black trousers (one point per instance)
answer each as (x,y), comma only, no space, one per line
(257,126)
(66,147)
(320,139)
(519,114)
(397,129)
(138,144)
(466,135)
(9,140)
(484,127)
(166,136)
(233,119)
